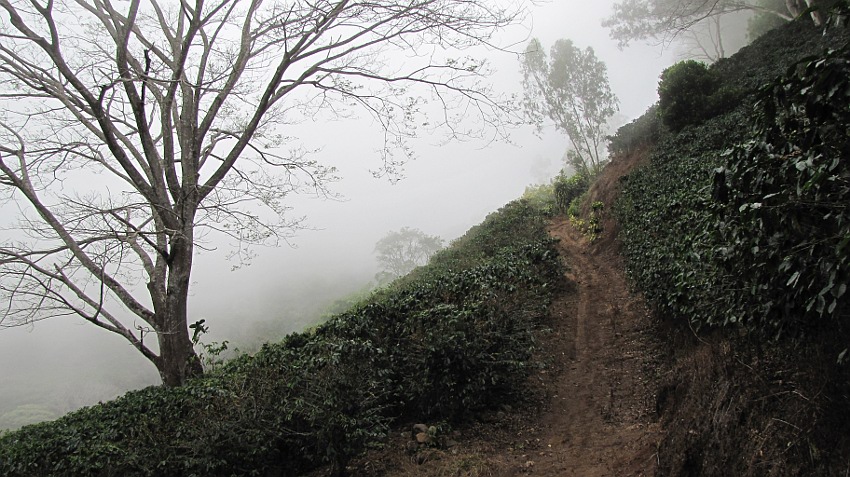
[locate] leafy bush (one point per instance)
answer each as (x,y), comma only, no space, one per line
(455,338)
(683,94)
(541,196)
(690,92)
(640,132)
(568,189)
(574,210)
(517,222)
(695,260)
(785,195)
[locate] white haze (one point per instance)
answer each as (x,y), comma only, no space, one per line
(64,364)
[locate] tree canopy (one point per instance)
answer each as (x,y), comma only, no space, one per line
(131,131)
(401,251)
(663,20)
(570,87)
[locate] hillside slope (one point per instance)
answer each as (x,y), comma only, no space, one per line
(495,361)
(590,412)
(708,396)
(450,340)
(736,231)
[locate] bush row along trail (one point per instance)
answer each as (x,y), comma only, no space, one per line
(597,408)
(601,418)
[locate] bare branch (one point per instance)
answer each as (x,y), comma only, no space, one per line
(135,129)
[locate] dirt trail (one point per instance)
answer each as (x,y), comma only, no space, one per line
(601,418)
(597,408)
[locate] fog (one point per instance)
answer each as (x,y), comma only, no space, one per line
(56,366)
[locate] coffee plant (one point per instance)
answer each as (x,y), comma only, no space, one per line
(703,235)
(455,337)
(783,199)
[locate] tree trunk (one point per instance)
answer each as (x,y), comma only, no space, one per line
(178,361)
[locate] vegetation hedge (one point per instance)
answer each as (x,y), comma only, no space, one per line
(690,92)
(559,193)
(684,92)
(743,218)
(568,189)
(641,132)
(791,183)
(455,337)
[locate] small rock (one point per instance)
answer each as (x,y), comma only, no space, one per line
(450,443)
(417,428)
(423,438)
(529,464)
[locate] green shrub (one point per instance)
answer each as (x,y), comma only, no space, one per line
(516,223)
(695,240)
(541,196)
(684,93)
(783,218)
(690,92)
(455,337)
(640,132)
(568,189)
(574,210)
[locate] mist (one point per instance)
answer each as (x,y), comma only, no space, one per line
(58,365)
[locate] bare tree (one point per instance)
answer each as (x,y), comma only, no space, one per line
(399,252)
(718,36)
(131,130)
(664,20)
(705,41)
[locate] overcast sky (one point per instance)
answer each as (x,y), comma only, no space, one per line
(445,191)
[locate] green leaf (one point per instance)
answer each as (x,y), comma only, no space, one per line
(793,280)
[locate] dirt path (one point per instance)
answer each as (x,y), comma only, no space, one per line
(596,414)
(601,418)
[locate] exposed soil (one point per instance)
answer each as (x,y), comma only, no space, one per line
(626,394)
(601,417)
(745,405)
(593,411)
